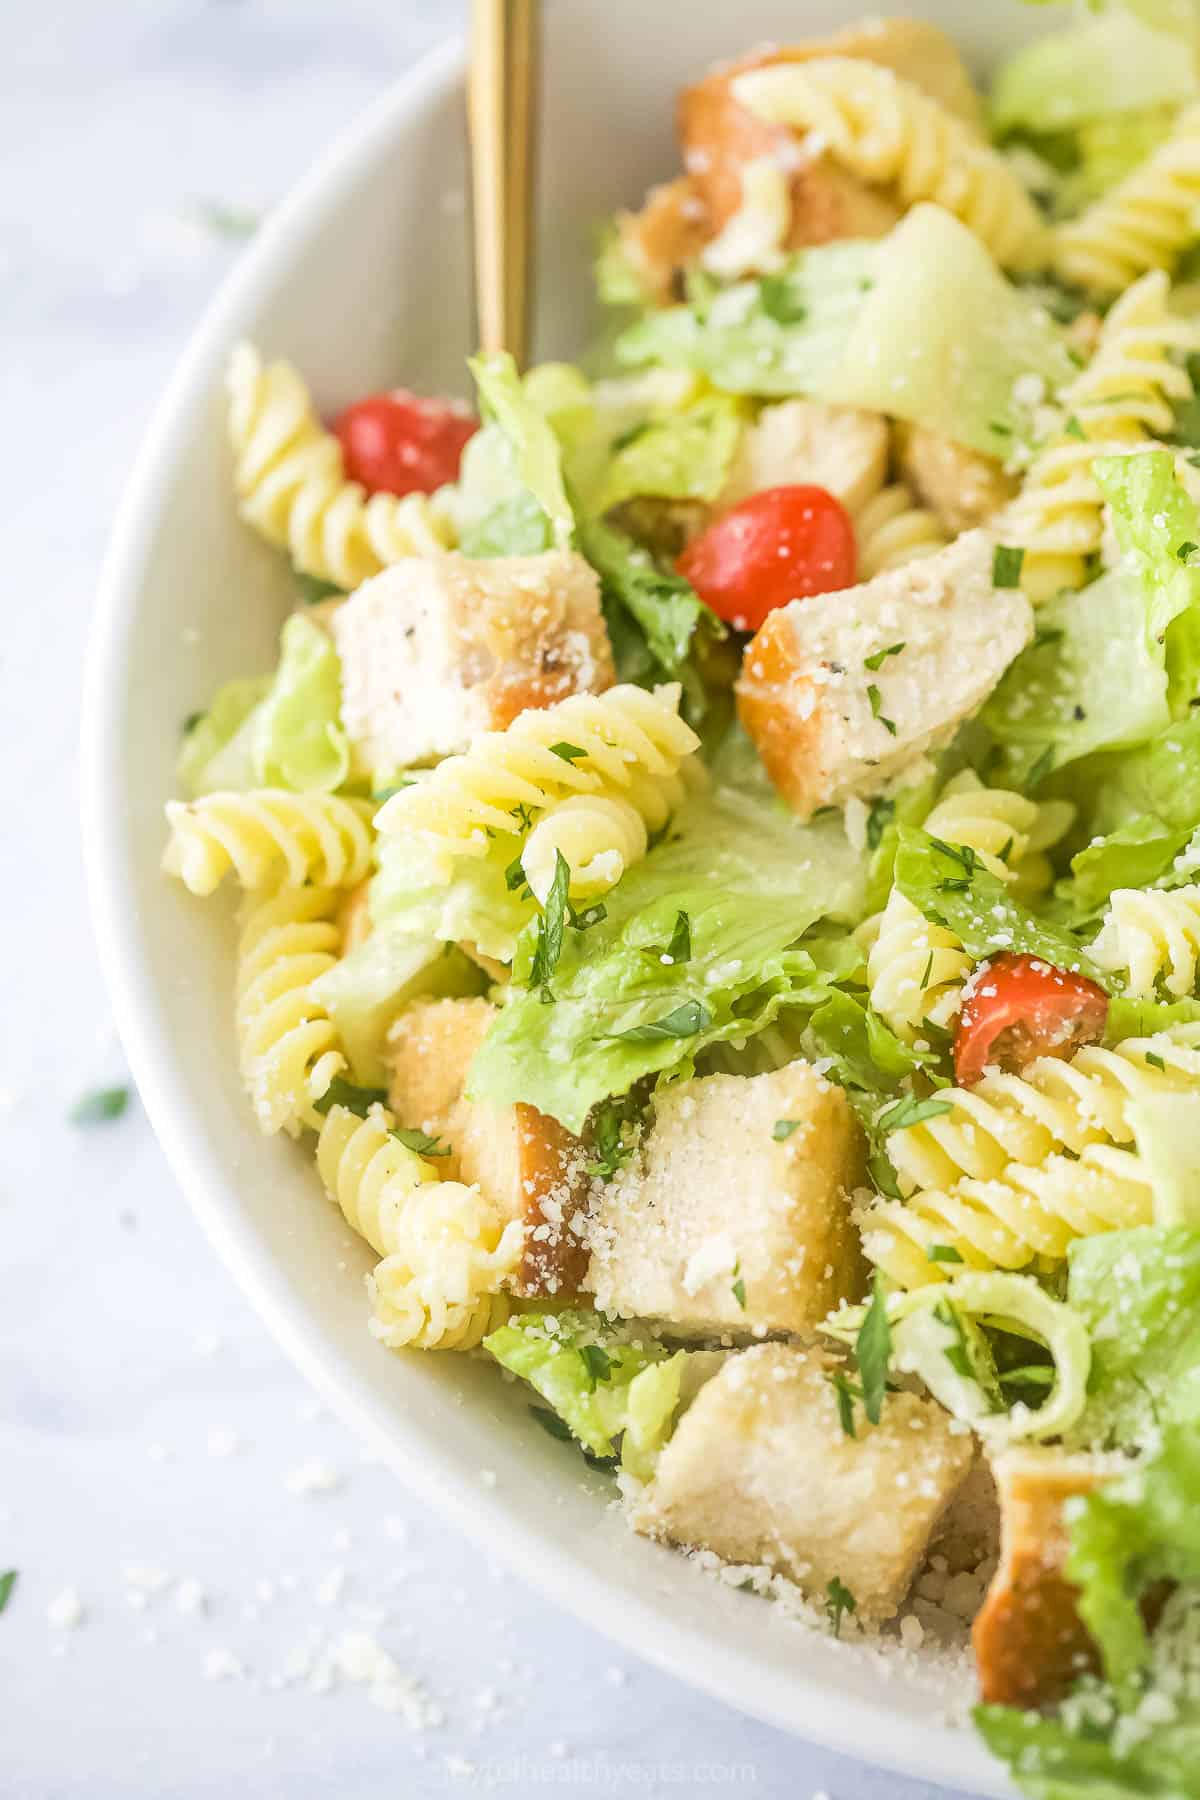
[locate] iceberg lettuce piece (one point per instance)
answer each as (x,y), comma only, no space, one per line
(283,731)
(365,992)
(1125,59)
(751,883)
(1138,1293)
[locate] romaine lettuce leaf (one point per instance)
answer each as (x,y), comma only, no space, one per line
(1133,856)
(1138,1293)
(921,324)
(950,885)
(478,906)
(283,731)
(1115,63)
(1158,528)
(665,608)
(681,455)
(1160,777)
(579,1366)
(751,881)
(536,453)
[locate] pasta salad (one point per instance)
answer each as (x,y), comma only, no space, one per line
(719,858)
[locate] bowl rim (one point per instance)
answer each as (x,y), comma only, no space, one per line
(794,1702)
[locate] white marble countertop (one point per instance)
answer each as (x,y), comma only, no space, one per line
(166,1480)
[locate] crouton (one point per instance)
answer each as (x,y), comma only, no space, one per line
(1030,1643)
(845,697)
(840,448)
(436,650)
(524,1163)
(722,1224)
(665,236)
(760,1471)
(963,486)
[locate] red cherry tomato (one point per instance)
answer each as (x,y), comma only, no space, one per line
(399,443)
(1019,1007)
(783,544)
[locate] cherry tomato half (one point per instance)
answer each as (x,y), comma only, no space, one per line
(1019,1007)
(782,544)
(399,443)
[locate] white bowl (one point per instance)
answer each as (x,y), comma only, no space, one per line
(361,278)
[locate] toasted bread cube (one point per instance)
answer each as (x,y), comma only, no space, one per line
(666,235)
(828,724)
(963,487)
(717,1225)
(436,650)
(524,1163)
(840,448)
(760,1471)
(1030,1643)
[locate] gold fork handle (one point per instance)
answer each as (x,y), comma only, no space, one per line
(501,101)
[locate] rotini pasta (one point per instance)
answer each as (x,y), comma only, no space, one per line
(889,134)
(599,837)
(292,486)
(1146,222)
(287,1043)
(1120,402)
(1154,935)
(916,969)
(1021,1165)
(625,743)
(893,528)
(267,836)
(445,1253)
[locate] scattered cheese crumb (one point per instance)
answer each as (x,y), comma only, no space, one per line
(312,1477)
(66,1610)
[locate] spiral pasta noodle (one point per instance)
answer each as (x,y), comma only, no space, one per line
(626,744)
(1120,402)
(292,485)
(599,838)
(915,968)
(1021,1165)
(445,1252)
(287,1044)
(890,134)
(267,836)
(1153,934)
(1145,222)
(893,528)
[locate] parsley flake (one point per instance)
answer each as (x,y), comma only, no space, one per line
(1155,1060)
(550,928)
(878,820)
(551,1424)
(737,1286)
(1006,566)
(685,1021)
(597,1362)
(873,1352)
(942,1253)
(847,1393)
(358,1100)
(910,1111)
(8,1581)
(420,1142)
(880,657)
(838,1602)
(1186,551)
(569,752)
(100,1106)
(783,1129)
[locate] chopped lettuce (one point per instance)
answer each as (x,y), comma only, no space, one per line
(1158,528)
(1135,855)
(949,884)
(921,324)
(1138,1293)
(1125,59)
(536,454)
(282,731)
(608,1385)
(478,906)
(1160,778)
(750,881)
(365,991)
(1109,149)
(664,607)
(680,455)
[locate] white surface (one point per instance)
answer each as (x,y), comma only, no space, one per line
(127,1437)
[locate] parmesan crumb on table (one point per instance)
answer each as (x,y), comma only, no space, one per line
(66,1611)
(312,1477)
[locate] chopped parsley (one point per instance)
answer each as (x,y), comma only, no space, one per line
(611,1144)
(1186,551)
(685,1021)
(597,1362)
(591,915)
(1074,429)
(927,971)
(550,928)
(100,1106)
(737,1286)
(569,752)
(1006,566)
(421,1143)
(956,1353)
(8,1581)
(514,875)
(878,820)
(847,1392)
(358,1100)
(552,1425)
(311,589)
(191,722)
(1041,768)
(876,699)
(783,1129)
(523,814)
(910,1111)
(873,1352)
(780,302)
(880,657)
(679,950)
(942,1253)
(838,1602)
(1155,1060)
